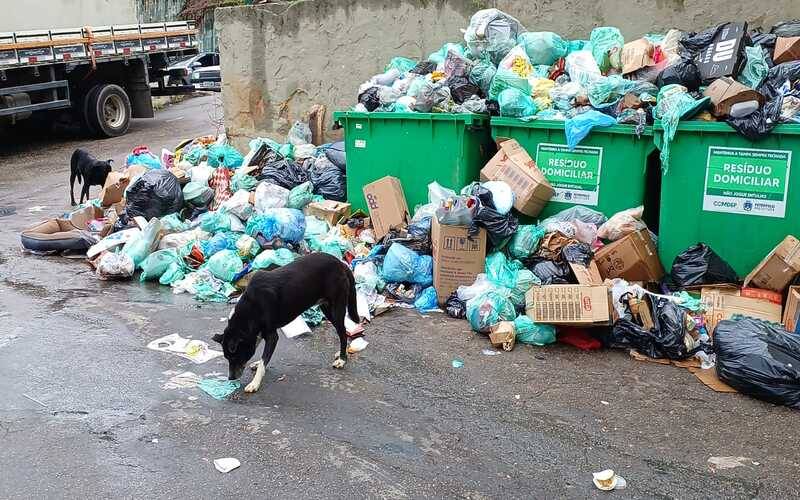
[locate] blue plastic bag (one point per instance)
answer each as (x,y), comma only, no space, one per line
(516,104)
(488,309)
(403,265)
(529,332)
(145,159)
(579,127)
(218,242)
(288,224)
(224,155)
(427,300)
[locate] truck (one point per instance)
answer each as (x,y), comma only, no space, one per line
(98,76)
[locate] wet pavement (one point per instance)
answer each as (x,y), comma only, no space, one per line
(84,410)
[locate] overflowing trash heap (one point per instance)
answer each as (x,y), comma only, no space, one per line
(747,79)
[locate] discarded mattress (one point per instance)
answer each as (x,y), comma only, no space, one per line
(56,235)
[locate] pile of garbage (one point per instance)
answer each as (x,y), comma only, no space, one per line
(746,78)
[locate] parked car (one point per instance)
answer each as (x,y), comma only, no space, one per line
(207,79)
(180,72)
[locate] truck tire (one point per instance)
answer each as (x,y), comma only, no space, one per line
(86,124)
(108,110)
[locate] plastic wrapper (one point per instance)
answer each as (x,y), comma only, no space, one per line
(582,68)
(455,308)
(225,265)
(577,128)
(156,193)
(525,241)
(300,196)
(517,62)
(402,292)
(532,333)
(157,263)
(269,196)
(224,155)
(664,340)
(516,104)
(543,47)
(488,309)
(622,224)
(541,88)
(790,109)
(492,33)
(269,257)
(287,224)
(114,266)
(481,74)
(437,193)
(607,43)
(699,265)
(756,67)
(499,227)
(507,79)
(141,246)
(328,180)
(759,359)
(403,265)
(427,300)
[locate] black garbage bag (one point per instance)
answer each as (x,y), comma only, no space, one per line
(462,89)
(787,29)
(683,72)
(699,265)
(283,172)
(336,155)
(155,193)
(370,98)
(455,307)
(577,253)
(329,182)
(493,108)
(419,242)
(424,68)
(421,229)
(759,359)
(664,340)
(767,42)
(694,42)
(499,227)
(551,273)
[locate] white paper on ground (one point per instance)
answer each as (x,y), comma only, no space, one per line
(226,465)
(193,350)
(295,328)
(357,345)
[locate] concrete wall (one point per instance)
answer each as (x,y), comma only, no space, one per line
(18,15)
(279,59)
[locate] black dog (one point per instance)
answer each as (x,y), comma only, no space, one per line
(275,298)
(88,171)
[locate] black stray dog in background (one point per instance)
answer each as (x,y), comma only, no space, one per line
(88,171)
(275,298)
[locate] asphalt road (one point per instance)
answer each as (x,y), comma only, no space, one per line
(84,411)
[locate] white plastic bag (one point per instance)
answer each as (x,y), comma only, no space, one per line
(582,67)
(481,285)
(502,195)
(239,204)
(270,196)
(115,266)
(200,174)
(438,193)
(622,224)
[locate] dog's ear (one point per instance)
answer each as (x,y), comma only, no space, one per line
(217,338)
(110,161)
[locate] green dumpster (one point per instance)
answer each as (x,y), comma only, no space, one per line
(728,192)
(417,148)
(606,171)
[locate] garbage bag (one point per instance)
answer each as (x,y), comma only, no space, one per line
(335,153)
(516,104)
(543,47)
(403,265)
(756,67)
(273,257)
(440,55)
(664,340)
(577,253)
(370,98)
(481,285)
(437,193)
(197,195)
(673,104)
(786,29)
(427,300)
(172,223)
(502,196)
(424,68)
(241,182)
(299,134)
(492,34)
(462,89)
(432,96)
(456,65)
(699,265)
(683,72)
(759,124)
(472,105)
(759,359)
(582,68)
(269,196)
(488,309)
(239,205)
(328,180)
(499,227)
(694,42)
(114,266)
(155,193)
(221,241)
(579,127)
(288,224)
(609,89)
(576,212)
(401,64)
(507,79)
(622,224)
(525,241)
(482,74)
(532,333)
(563,95)
(500,271)
(247,247)
(157,263)
(224,155)
(607,43)
(141,245)
(284,173)
(300,196)
(225,265)
(455,307)
(550,272)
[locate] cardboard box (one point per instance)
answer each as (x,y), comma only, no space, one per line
(791,313)
(637,55)
(503,335)
(778,268)
(328,210)
(725,92)
(724,56)
(578,305)
(640,310)
(457,259)
(114,189)
(786,50)
(587,275)
(387,205)
(752,293)
(722,306)
(633,258)
(514,166)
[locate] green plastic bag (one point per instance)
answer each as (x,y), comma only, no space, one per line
(172,223)
(525,241)
(313,316)
(755,69)
(439,56)
(315,227)
(607,89)
(279,257)
(525,279)
(507,79)
(488,309)
(543,47)
(157,263)
(215,222)
(607,43)
(576,45)
(482,74)
(225,265)
(501,271)
(401,64)
(529,332)
(243,182)
(515,104)
(175,272)
(300,195)
(672,104)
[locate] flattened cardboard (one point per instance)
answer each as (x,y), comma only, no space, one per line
(457,259)
(633,258)
(725,92)
(778,268)
(577,305)
(329,210)
(791,313)
(721,306)
(514,166)
(114,188)
(587,275)
(786,50)
(636,55)
(710,379)
(387,205)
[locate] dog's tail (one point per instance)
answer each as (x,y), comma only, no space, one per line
(352,301)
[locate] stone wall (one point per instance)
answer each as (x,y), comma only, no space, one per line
(279,59)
